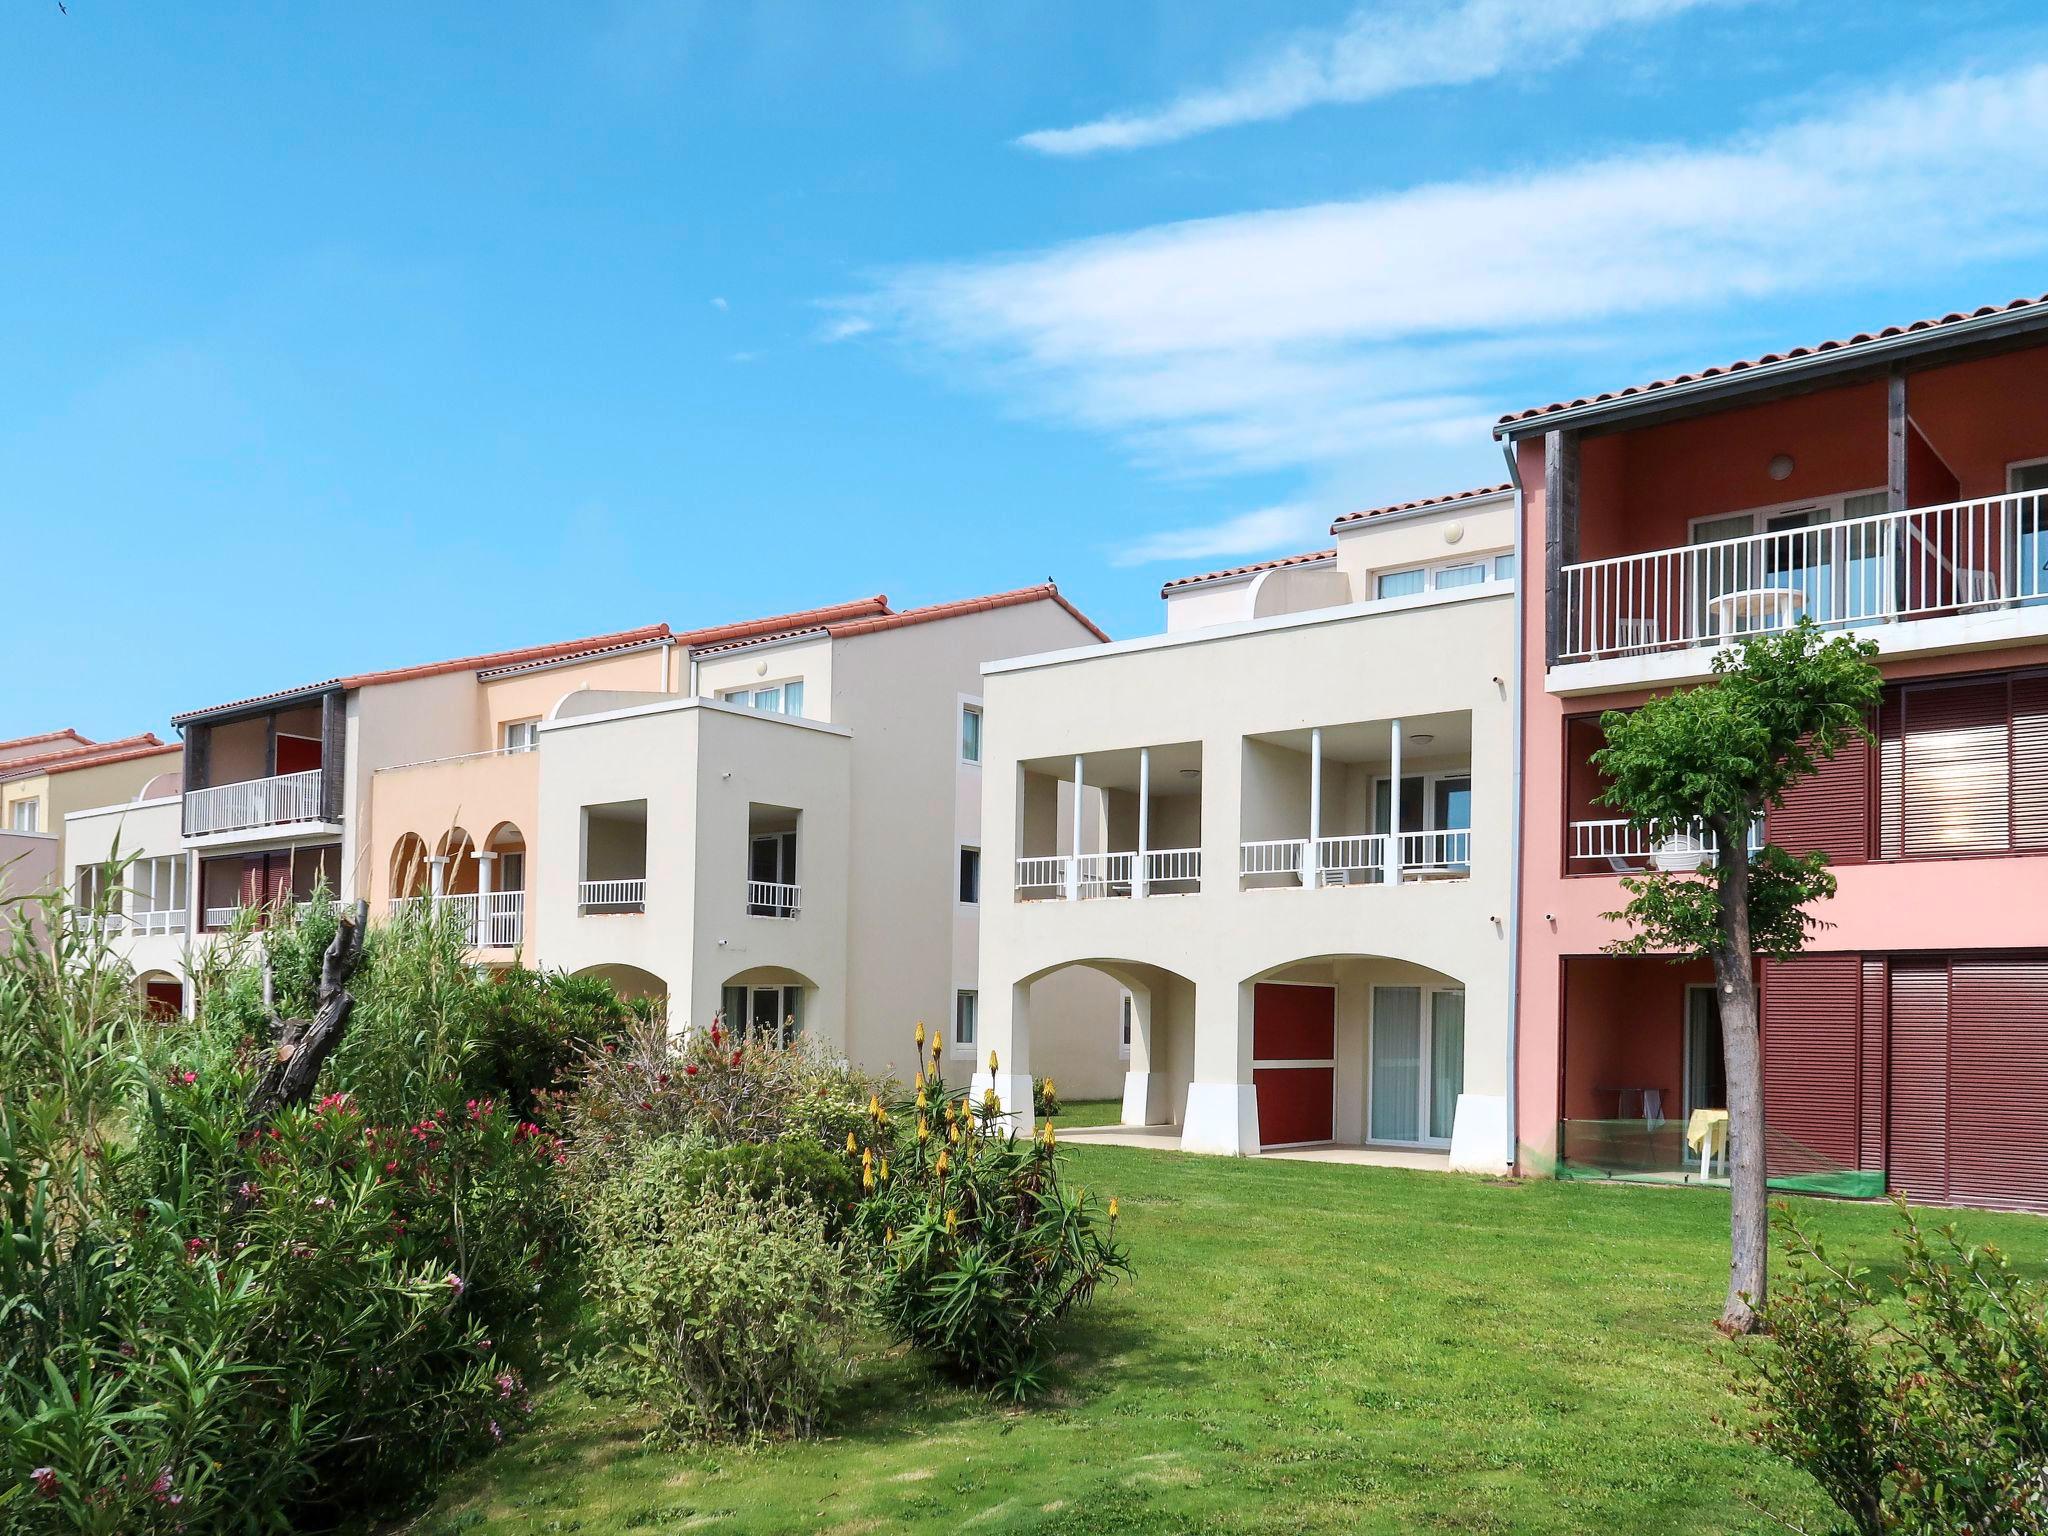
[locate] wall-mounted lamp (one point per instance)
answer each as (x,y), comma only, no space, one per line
(1453,532)
(1422,738)
(1780,467)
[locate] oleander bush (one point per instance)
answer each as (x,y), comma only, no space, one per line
(213,1320)
(982,1244)
(728,1311)
(1918,1406)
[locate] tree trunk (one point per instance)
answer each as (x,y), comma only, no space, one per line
(303,1045)
(1742,1049)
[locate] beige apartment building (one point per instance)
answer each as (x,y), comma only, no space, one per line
(1283,828)
(779,817)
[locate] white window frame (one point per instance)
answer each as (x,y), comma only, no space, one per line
(1432,572)
(971,707)
(2011,472)
(1514,565)
(519,735)
(960,852)
(1835,506)
(1127,1014)
(1427,1049)
(1685,1043)
(1430,778)
(972,998)
(25,814)
(744,698)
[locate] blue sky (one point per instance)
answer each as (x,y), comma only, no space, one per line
(346,335)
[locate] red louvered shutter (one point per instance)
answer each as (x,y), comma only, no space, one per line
(1813,1035)
(2030,760)
(1956,768)
(1829,812)
(1890,775)
(1872,1061)
(1916,1112)
(1998,1083)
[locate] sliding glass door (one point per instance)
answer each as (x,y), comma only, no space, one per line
(1416,1064)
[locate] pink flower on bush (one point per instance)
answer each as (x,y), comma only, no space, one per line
(189,1079)
(455,1283)
(497,1434)
(194,1246)
(45,1479)
(250,1190)
(507,1384)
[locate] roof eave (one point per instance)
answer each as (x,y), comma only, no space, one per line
(1874,355)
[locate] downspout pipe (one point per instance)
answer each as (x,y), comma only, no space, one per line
(1515,819)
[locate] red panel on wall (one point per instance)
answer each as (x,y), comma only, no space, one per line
(1998,1083)
(1916,1100)
(1813,1040)
(1295,1104)
(2030,760)
(1292,1023)
(297,754)
(1830,811)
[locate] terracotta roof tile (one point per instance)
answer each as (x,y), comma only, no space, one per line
(1861,338)
(1477,493)
(67,734)
(89,755)
(840,629)
(1309,558)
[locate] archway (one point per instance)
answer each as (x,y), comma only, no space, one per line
(630,982)
(163,995)
(409,867)
(457,852)
(1100,1027)
(766,1002)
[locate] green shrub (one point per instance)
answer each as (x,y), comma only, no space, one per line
(727,1312)
(797,1163)
(536,1025)
(1921,1408)
(981,1245)
(1045,1098)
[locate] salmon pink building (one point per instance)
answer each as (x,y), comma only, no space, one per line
(1890,485)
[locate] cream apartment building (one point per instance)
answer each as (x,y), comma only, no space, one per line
(1284,828)
(779,817)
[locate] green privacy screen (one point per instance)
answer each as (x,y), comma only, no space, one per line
(1639,1152)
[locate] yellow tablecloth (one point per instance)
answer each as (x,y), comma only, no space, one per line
(1707,1126)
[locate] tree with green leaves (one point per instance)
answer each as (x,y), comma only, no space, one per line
(1715,758)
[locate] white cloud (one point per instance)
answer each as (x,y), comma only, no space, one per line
(846,327)
(718,303)
(1292,525)
(1379,51)
(1348,332)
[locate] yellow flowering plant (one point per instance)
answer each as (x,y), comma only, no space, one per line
(981,1245)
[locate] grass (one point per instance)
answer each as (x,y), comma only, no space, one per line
(1305,1348)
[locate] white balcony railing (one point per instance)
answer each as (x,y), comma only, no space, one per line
(1961,557)
(1092,876)
(220,917)
(773,898)
(1362,858)
(1279,856)
(1624,847)
(270,802)
(493,921)
(599,896)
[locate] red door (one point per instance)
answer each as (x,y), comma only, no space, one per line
(1294,1070)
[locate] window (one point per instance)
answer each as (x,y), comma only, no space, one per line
(1503,567)
(970,733)
(970,875)
(1445,575)
(1401,583)
(1123,1046)
(26,815)
(966,1005)
(1461,575)
(1415,1064)
(521,735)
(776,699)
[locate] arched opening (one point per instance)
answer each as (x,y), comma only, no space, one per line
(766,1003)
(1359,1050)
(501,871)
(457,852)
(1101,1028)
(163,995)
(409,867)
(630,982)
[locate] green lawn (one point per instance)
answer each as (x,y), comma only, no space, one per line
(1304,1348)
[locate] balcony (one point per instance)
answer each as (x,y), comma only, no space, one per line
(609,896)
(496,920)
(1367,859)
(773,898)
(1965,557)
(1093,876)
(277,801)
(1627,848)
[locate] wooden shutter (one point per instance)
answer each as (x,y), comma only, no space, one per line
(2030,760)
(1891,753)
(1916,1099)
(1872,1060)
(1813,1037)
(1998,1083)
(1829,812)
(1955,768)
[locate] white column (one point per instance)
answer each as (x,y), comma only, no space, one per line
(437,874)
(1144,819)
(1394,814)
(1312,856)
(1074,863)
(484,925)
